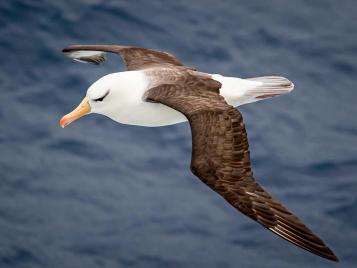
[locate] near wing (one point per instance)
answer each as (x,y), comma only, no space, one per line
(135,58)
(220,158)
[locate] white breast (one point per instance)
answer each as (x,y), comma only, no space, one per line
(150,115)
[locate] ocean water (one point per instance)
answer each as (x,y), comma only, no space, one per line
(101,194)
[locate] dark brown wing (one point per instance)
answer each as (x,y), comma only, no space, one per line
(220,158)
(135,58)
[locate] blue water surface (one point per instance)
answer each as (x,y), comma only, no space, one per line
(101,194)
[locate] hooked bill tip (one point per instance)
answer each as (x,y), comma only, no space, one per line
(63,122)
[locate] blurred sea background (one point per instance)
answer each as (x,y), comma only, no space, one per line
(101,194)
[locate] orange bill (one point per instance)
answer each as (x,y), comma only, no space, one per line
(82,109)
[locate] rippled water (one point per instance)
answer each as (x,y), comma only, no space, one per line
(100,194)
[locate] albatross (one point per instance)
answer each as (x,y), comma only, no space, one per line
(158,90)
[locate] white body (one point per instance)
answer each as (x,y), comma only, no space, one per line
(125,103)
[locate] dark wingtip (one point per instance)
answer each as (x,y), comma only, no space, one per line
(313,244)
(67,48)
(332,257)
(328,254)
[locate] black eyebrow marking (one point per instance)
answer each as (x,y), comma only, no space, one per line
(102,98)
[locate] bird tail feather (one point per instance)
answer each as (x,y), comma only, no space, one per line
(270,86)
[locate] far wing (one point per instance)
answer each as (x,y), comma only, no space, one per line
(135,58)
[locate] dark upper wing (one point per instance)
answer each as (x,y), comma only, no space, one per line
(220,158)
(134,57)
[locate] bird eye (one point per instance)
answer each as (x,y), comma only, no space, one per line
(102,98)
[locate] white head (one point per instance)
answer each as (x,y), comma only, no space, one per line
(109,96)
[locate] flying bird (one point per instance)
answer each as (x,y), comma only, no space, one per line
(158,90)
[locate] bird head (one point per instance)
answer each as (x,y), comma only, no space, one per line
(106,96)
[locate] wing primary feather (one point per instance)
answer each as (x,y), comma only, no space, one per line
(87,56)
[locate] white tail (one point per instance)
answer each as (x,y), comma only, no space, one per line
(239,91)
(271,86)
